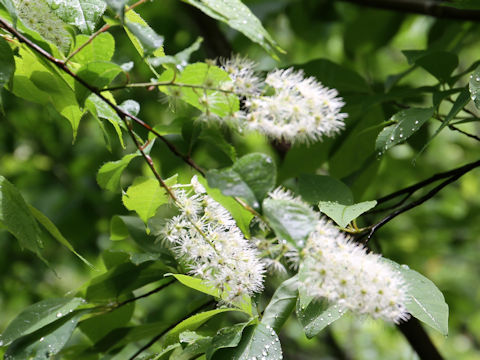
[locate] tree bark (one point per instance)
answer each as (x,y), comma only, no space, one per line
(425,7)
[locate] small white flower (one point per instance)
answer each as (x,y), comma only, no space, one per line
(300,109)
(245,80)
(286,106)
(207,240)
(344,273)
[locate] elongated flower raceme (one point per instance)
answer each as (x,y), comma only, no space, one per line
(206,238)
(342,272)
(286,106)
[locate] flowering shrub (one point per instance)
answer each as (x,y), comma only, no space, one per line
(228,246)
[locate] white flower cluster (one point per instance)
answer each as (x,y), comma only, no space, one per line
(342,272)
(286,106)
(206,238)
(38,16)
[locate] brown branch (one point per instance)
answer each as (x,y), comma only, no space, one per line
(424,7)
(419,340)
(151,292)
(413,188)
(412,205)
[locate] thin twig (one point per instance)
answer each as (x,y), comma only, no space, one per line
(454,128)
(90,39)
(410,206)
(413,188)
(133,6)
(167,83)
(154,291)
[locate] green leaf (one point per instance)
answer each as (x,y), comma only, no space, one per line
(193,344)
(227,337)
(200,285)
(317,315)
(147,37)
(214,136)
(238,16)
(46,342)
(7,66)
(197,284)
(195,80)
(10,6)
(96,327)
(191,323)
(17,218)
(108,176)
(290,220)
(407,122)
(426,301)
(146,195)
(251,178)
(344,214)
(258,342)
(84,14)
(97,74)
(101,48)
(30,72)
(440,64)
(316,188)
(101,110)
(143,37)
(56,234)
(281,304)
(123,279)
(37,316)
(473,86)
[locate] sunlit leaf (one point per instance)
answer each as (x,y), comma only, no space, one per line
(84,14)
(344,214)
(145,196)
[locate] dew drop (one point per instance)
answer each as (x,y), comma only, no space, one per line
(41,339)
(401,135)
(59,314)
(392,138)
(405,266)
(477,78)
(416,122)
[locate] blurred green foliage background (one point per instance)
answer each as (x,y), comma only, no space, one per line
(439,239)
